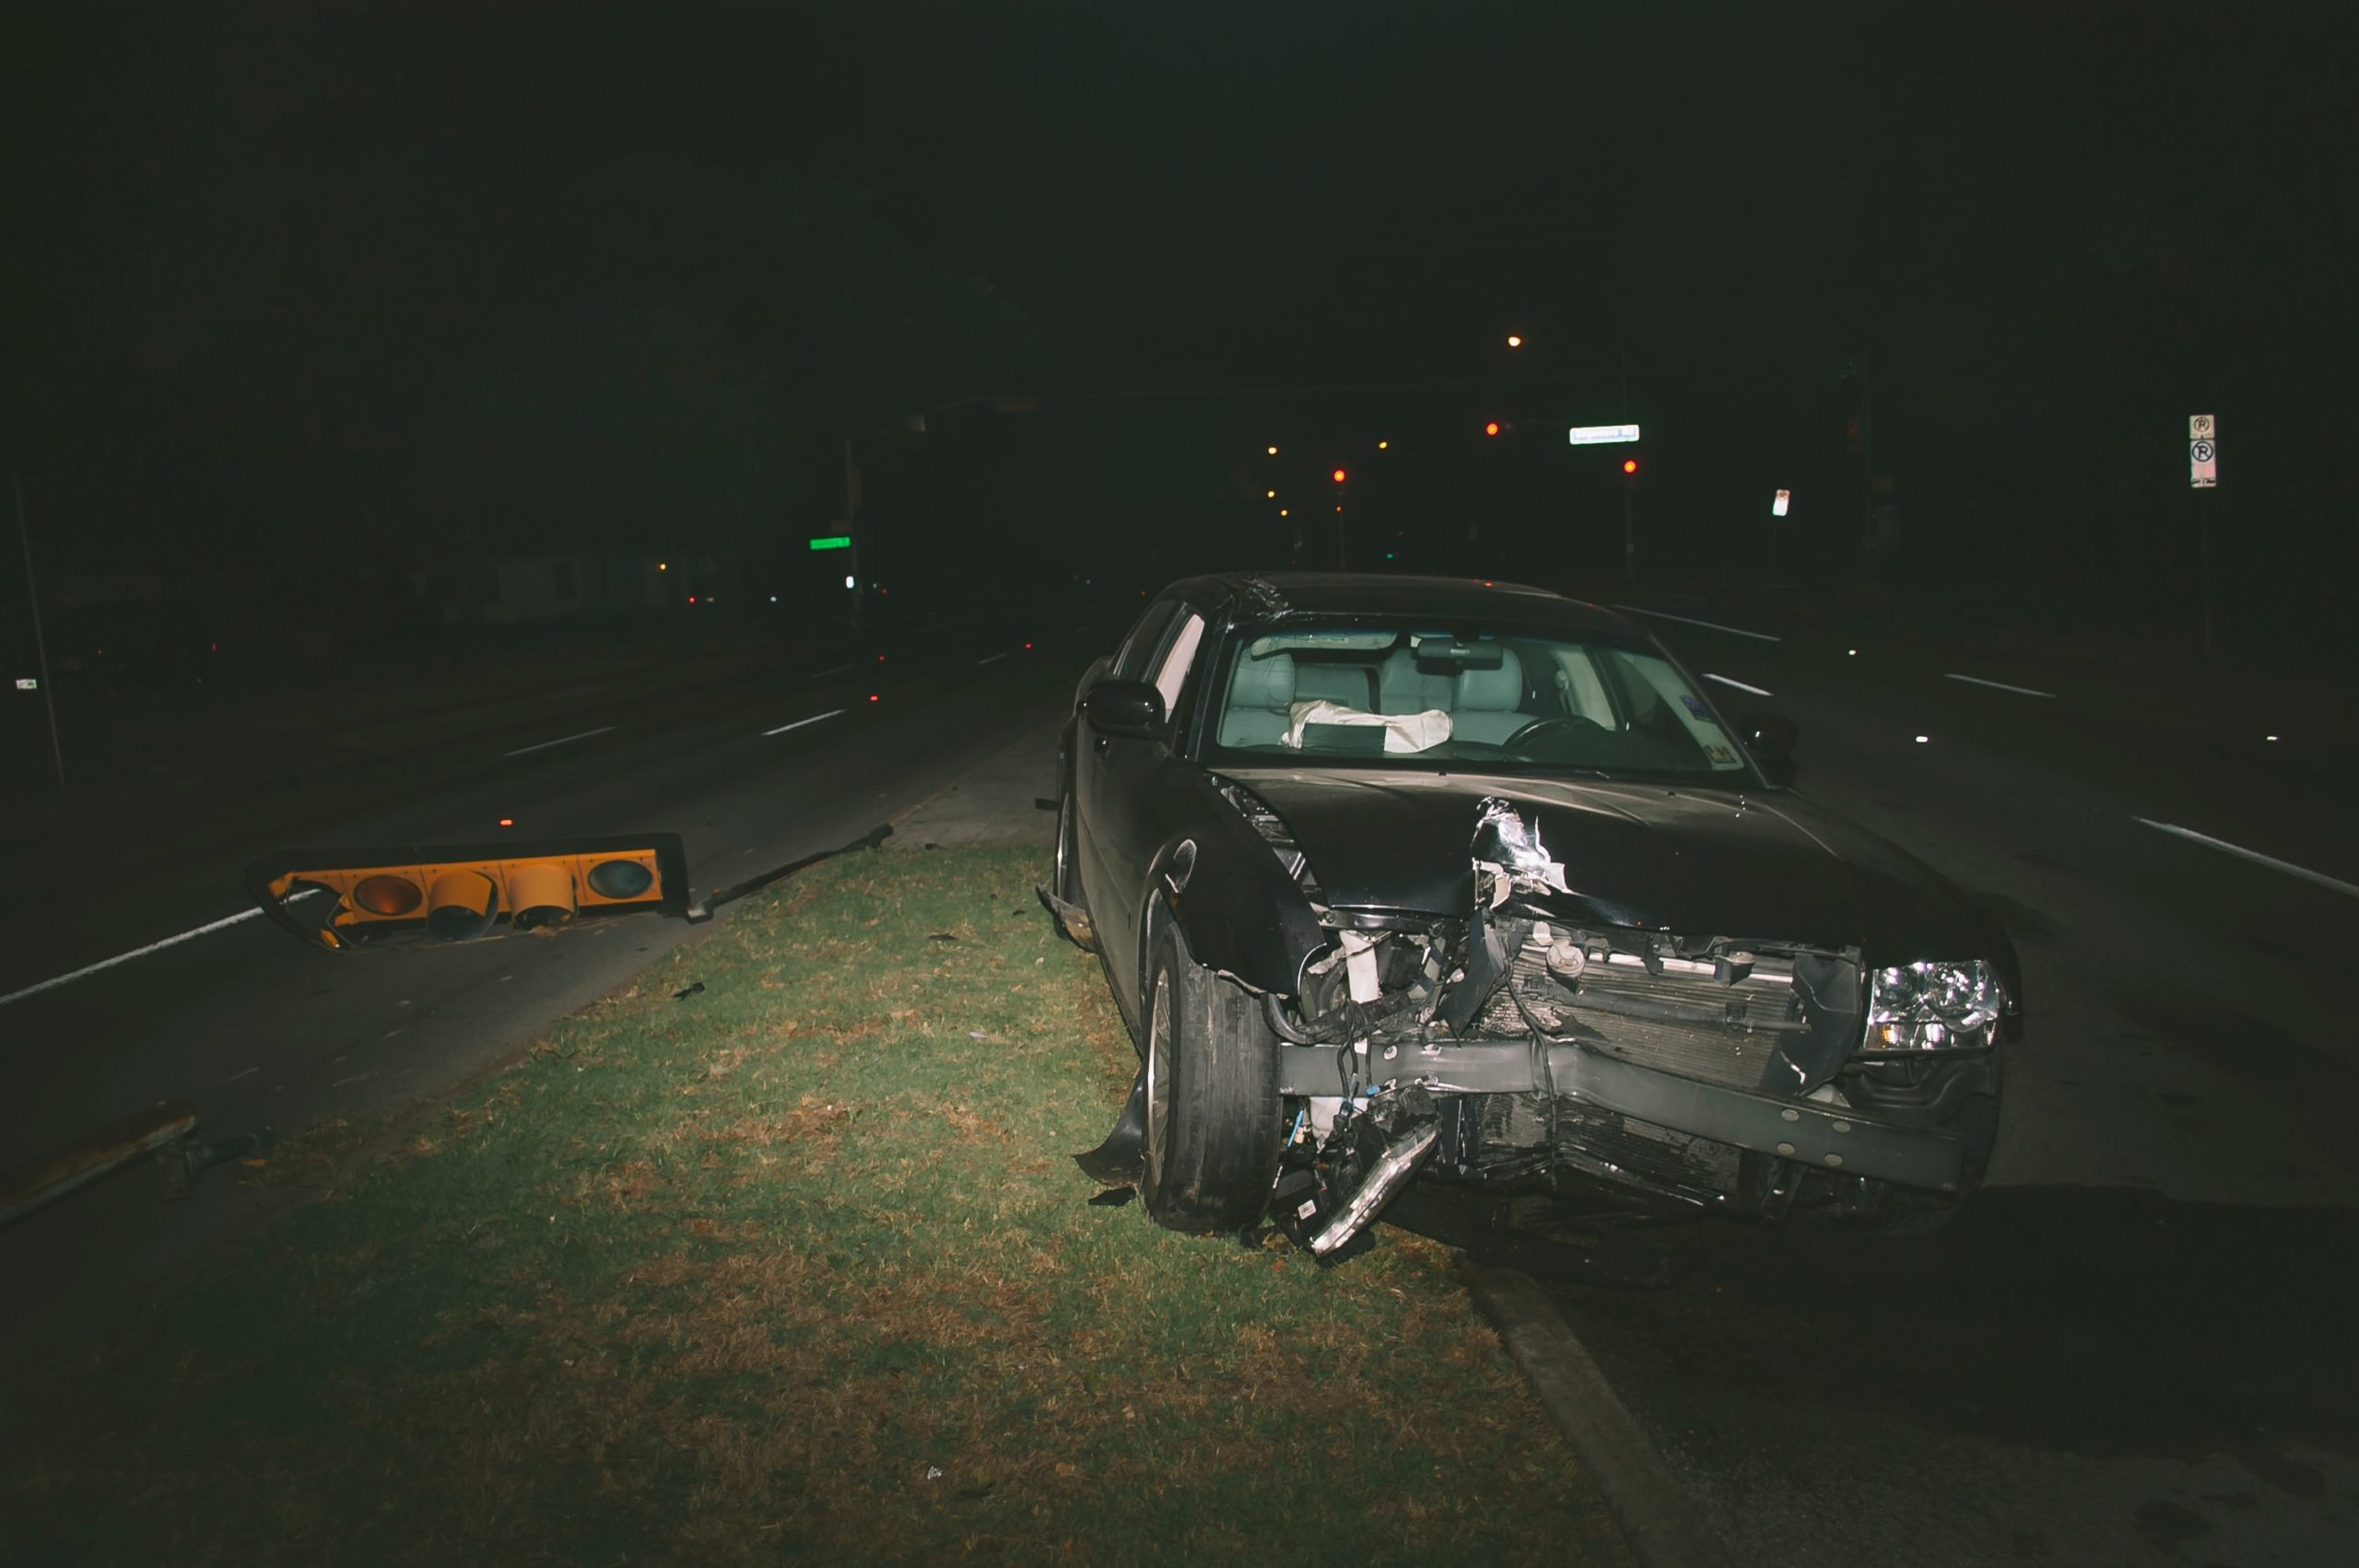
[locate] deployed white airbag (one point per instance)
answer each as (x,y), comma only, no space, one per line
(1402,731)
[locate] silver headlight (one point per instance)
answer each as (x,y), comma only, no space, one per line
(1921,1006)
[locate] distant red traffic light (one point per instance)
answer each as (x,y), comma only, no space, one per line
(1339,476)
(1629,465)
(1492,428)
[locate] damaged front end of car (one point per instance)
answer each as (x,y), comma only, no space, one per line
(1530,1041)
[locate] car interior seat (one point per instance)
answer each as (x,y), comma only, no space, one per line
(1402,688)
(1259,696)
(1487,704)
(1353,685)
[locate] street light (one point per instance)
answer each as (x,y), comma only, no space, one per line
(1381,445)
(1514,342)
(1273,452)
(1270,495)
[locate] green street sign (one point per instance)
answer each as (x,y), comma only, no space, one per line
(833,542)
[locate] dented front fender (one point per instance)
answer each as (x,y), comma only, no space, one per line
(1241,909)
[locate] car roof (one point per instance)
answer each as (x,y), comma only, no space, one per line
(1278,594)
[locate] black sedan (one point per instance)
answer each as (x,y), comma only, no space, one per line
(1398,875)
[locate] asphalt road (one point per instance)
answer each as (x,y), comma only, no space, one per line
(2134,1346)
(255,1028)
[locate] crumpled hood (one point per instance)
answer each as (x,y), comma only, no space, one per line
(1769,867)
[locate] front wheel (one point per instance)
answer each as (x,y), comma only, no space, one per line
(1213,1110)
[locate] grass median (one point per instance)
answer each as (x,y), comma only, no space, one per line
(796,1265)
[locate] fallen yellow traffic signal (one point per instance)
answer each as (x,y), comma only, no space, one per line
(463,892)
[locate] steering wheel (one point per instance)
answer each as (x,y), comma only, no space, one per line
(1569,724)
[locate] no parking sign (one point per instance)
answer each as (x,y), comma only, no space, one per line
(2202,451)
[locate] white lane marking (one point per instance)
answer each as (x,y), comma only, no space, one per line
(992,660)
(828,675)
(1998,686)
(1714,626)
(87,969)
(1738,684)
(2253,855)
(235,1076)
(831,713)
(562,739)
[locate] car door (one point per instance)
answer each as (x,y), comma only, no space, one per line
(1116,775)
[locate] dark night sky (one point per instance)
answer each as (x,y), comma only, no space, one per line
(349,283)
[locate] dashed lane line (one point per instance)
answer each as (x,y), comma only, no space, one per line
(831,713)
(561,741)
(1999,685)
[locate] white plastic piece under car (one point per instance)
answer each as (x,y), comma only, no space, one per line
(1402,731)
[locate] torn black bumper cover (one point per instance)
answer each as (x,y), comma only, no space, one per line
(1073,921)
(1121,1157)
(1832,1137)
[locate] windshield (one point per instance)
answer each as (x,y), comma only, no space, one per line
(1373,694)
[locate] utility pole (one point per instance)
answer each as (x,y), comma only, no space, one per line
(1867,468)
(41,641)
(1630,528)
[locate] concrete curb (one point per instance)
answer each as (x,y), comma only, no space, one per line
(1655,1513)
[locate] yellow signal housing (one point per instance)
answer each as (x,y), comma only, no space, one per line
(540,893)
(463,892)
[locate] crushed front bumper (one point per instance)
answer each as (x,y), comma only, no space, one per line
(1829,1138)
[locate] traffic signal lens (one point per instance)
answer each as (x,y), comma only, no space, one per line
(1492,428)
(620,879)
(1629,465)
(461,905)
(387,895)
(1339,476)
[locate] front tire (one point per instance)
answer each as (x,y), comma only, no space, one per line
(1213,1110)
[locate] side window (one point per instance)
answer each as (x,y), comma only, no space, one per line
(1172,674)
(1130,663)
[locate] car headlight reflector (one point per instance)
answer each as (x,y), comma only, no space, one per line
(1933,1006)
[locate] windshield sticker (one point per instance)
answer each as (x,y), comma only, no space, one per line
(1694,705)
(1721,756)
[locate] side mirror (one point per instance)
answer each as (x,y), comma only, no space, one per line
(1130,708)
(1770,738)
